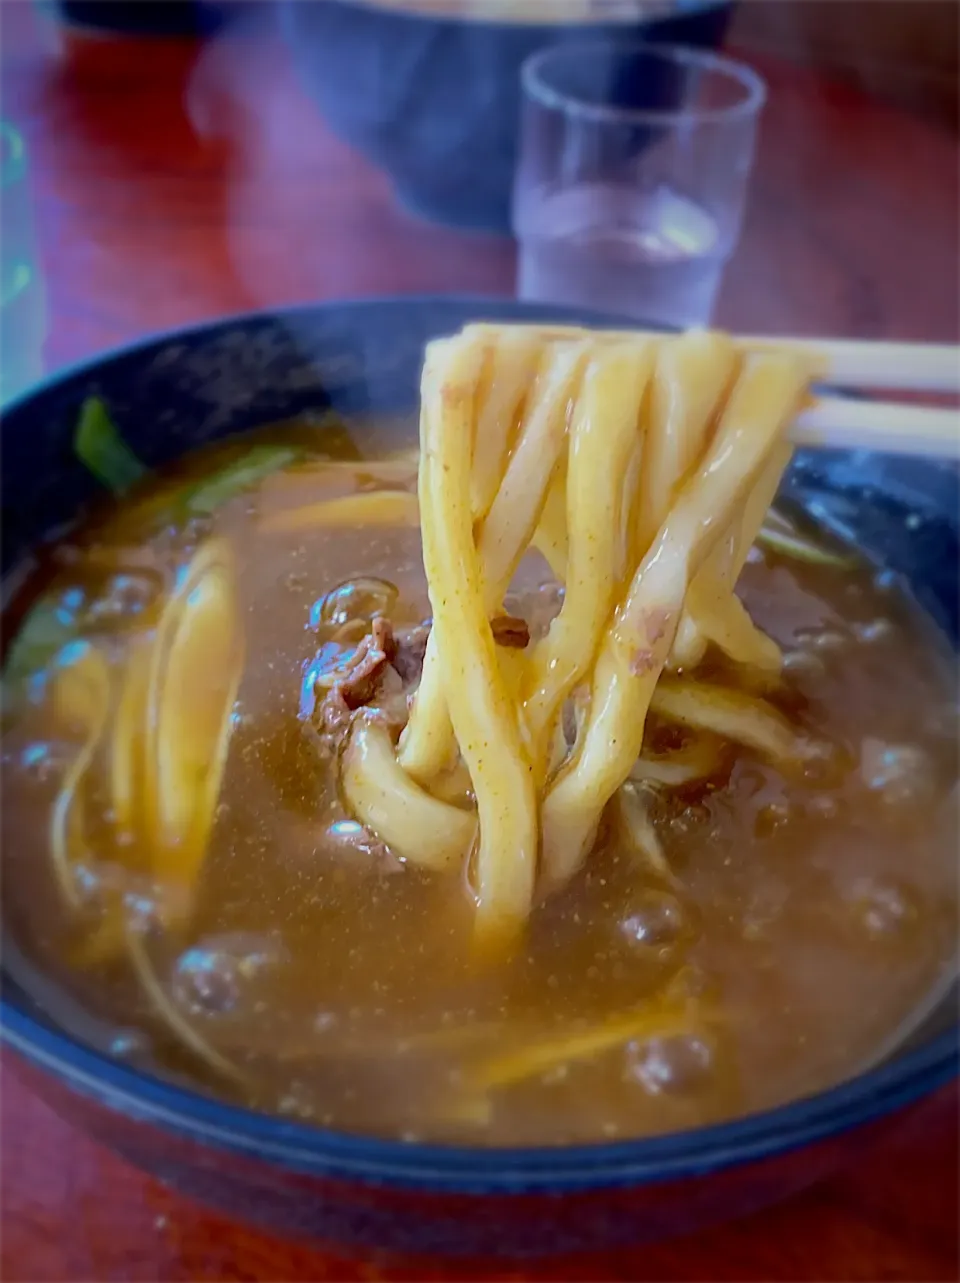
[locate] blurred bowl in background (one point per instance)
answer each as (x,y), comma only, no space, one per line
(139,17)
(429,90)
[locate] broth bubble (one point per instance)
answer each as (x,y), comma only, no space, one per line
(874,630)
(802,663)
(219,976)
(821,640)
(123,600)
(657,920)
(883,908)
(361,599)
(676,1066)
(898,773)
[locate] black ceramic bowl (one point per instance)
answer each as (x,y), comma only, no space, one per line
(178,391)
(142,17)
(434,99)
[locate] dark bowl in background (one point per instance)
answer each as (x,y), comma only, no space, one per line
(434,99)
(181,390)
(142,17)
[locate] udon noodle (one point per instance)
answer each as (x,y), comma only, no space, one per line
(644,467)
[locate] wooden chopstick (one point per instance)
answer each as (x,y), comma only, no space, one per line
(930,432)
(888,427)
(846,363)
(838,422)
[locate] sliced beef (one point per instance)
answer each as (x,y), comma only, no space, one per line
(361,680)
(365,674)
(510,631)
(411,648)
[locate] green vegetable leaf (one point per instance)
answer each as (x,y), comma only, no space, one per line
(238,476)
(99,445)
(45,631)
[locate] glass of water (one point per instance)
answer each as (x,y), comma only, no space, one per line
(22,312)
(633,171)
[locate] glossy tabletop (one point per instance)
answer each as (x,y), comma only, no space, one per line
(201,181)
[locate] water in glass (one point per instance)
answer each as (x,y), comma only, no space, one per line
(648,254)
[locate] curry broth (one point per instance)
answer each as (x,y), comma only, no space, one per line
(804,921)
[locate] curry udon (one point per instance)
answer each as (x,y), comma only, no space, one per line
(522,830)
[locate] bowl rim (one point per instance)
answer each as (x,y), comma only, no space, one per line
(313,1150)
(540,93)
(638,21)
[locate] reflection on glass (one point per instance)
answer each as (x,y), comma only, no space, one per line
(22,320)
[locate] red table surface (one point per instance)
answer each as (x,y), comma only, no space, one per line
(204,183)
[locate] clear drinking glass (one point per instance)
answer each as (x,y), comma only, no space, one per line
(22,312)
(634,163)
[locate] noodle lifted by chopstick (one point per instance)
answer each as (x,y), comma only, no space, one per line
(642,468)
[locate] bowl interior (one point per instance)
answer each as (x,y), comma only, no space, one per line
(189,388)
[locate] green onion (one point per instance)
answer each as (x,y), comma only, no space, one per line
(45,632)
(99,445)
(233,478)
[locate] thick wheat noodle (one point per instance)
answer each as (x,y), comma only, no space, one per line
(697,759)
(551,534)
(637,645)
(373,508)
(644,467)
(87,702)
(430,829)
(513,364)
(517,509)
(427,746)
(633,811)
(691,378)
(484,718)
(731,713)
(693,374)
(421,829)
(627,514)
(712,612)
(126,743)
(603,434)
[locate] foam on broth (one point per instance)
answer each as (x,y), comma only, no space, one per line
(805,920)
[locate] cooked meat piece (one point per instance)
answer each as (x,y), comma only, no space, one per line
(510,630)
(333,712)
(356,674)
(381,630)
(332,719)
(359,683)
(359,679)
(411,646)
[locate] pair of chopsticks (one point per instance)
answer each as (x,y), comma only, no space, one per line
(851,423)
(923,431)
